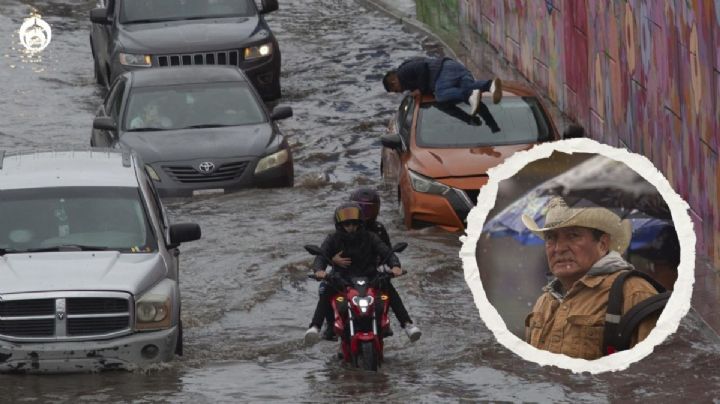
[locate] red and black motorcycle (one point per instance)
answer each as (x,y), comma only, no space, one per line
(361,313)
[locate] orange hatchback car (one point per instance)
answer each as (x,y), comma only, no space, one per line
(438,156)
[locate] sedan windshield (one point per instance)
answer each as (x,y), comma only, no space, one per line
(74,218)
(192,106)
(140,11)
(515,120)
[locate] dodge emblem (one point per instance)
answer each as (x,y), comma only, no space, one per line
(206,167)
(60,315)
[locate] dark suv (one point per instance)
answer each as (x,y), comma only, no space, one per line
(136,34)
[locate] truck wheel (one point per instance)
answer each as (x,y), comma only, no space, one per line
(179,344)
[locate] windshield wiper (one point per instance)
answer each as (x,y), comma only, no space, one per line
(4,251)
(67,247)
(207,125)
(146,129)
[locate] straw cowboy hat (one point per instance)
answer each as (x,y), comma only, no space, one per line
(560,215)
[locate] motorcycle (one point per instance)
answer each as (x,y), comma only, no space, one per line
(361,312)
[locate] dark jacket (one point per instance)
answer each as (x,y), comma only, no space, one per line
(378,228)
(362,251)
(420,74)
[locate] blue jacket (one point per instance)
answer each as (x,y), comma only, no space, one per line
(420,74)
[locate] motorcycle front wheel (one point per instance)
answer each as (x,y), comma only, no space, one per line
(368,356)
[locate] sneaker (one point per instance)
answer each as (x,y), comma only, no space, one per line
(312,335)
(413,332)
(496,90)
(474,101)
(329,334)
(388,332)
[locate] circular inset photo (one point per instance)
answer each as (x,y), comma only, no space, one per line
(580,255)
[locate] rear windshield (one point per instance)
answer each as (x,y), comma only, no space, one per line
(519,120)
(192,106)
(102,217)
(138,11)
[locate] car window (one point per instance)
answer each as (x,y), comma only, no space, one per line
(104,217)
(192,106)
(519,120)
(138,11)
(113,102)
(405,118)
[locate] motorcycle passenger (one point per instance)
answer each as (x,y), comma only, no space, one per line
(360,249)
(369,202)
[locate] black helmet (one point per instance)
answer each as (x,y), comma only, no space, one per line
(347,213)
(369,202)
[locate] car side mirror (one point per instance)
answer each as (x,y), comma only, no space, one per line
(99,16)
(391,141)
(105,123)
(269,6)
(281,112)
(183,232)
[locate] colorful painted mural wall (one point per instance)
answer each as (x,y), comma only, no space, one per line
(638,74)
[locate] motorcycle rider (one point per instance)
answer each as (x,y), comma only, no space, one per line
(369,202)
(360,247)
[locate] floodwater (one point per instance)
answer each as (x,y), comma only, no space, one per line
(246,298)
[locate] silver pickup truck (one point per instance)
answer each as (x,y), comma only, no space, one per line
(88,264)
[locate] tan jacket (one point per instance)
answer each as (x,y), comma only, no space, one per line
(573,324)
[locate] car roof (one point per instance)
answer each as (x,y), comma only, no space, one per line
(510,89)
(83,168)
(162,76)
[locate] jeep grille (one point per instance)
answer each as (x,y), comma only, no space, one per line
(65,316)
(231,57)
(188,174)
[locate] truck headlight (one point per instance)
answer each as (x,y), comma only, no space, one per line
(259,51)
(426,185)
(153,311)
(272,160)
(133,59)
(152,173)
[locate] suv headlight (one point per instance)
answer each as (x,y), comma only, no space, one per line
(258,51)
(426,185)
(272,160)
(132,59)
(153,311)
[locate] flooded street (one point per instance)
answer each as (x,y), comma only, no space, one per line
(246,300)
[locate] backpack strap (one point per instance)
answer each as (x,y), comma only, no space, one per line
(618,327)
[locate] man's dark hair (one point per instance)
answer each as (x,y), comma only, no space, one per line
(386,80)
(574,131)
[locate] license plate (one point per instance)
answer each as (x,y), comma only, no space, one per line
(209,191)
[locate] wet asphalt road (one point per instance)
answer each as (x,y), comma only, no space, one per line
(246,300)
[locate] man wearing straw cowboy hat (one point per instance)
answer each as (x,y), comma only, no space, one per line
(583,248)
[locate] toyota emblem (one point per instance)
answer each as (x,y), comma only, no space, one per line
(206,167)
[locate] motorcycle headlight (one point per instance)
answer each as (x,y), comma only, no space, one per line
(133,59)
(272,160)
(363,303)
(259,51)
(153,311)
(423,184)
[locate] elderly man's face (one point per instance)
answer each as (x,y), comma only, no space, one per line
(571,251)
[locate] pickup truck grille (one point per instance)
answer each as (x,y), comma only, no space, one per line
(65,316)
(231,57)
(188,174)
